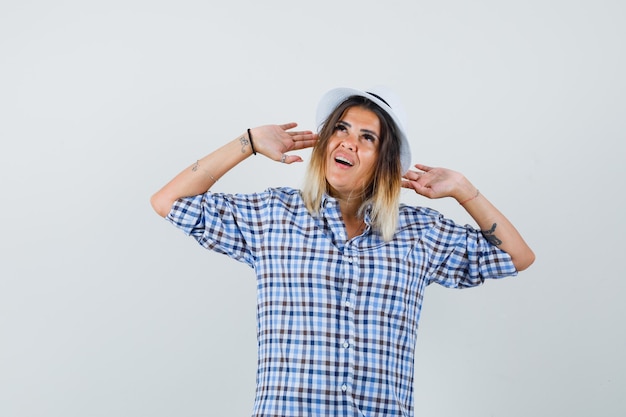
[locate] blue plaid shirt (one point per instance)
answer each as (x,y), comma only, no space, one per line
(336,318)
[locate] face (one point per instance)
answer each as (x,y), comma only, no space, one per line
(353,151)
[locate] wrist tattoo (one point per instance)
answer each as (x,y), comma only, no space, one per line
(244,142)
(490,236)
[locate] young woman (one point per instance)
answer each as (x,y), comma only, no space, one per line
(341,265)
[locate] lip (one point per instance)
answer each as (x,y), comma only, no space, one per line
(345,157)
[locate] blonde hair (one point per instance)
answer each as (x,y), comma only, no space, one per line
(382,194)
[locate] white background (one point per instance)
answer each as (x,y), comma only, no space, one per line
(107,310)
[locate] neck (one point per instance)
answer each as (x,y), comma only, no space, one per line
(352,221)
(349,208)
(349,204)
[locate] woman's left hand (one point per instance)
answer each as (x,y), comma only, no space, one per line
(438,182)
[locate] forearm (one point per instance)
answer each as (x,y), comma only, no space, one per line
(497,229)
(200,176)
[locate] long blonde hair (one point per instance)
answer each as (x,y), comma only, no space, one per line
(382,194)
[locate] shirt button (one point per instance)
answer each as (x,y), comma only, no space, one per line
(346,344)
(348,304)
(344,388)
(349,259)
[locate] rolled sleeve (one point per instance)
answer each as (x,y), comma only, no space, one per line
(461,257)
(225,223)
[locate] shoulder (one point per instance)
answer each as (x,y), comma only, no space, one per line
(284,192)
(283,196)
(424,221)
(278,198)
(416,216)
(269,195)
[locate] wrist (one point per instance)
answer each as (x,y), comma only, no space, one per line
(468,198)
(251,142)
(463,189)
(245,145)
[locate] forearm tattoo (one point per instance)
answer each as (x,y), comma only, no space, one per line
(490,236)
(244,142)
(195,167)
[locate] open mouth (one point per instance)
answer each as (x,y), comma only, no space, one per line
(343,161)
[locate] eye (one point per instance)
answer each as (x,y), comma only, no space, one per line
(340,127)
(370,138)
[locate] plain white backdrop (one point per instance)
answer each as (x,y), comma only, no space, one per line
(106,310)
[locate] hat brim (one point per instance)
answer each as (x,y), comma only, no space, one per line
(336,96)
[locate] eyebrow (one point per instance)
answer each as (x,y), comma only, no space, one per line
(371,132)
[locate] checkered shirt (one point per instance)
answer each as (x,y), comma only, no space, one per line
(336,319)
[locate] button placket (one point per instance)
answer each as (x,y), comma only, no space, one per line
(350,274)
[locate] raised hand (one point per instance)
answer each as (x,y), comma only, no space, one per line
(274,141)
(438,182)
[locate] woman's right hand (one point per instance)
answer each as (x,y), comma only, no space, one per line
(274,141)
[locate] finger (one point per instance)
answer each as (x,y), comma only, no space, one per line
(412,175)
(411,185)
(288,126)
(420,179)
(304,145)
(423,167)
(305,141)
(304,134)
(420,189)
(407,184)
(289,159)
(293,158)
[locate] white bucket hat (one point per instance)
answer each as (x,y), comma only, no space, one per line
(384,98)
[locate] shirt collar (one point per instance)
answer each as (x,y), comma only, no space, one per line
(329,201)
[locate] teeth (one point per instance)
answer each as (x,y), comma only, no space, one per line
(343,160)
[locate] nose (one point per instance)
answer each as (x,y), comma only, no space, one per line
(349,142)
